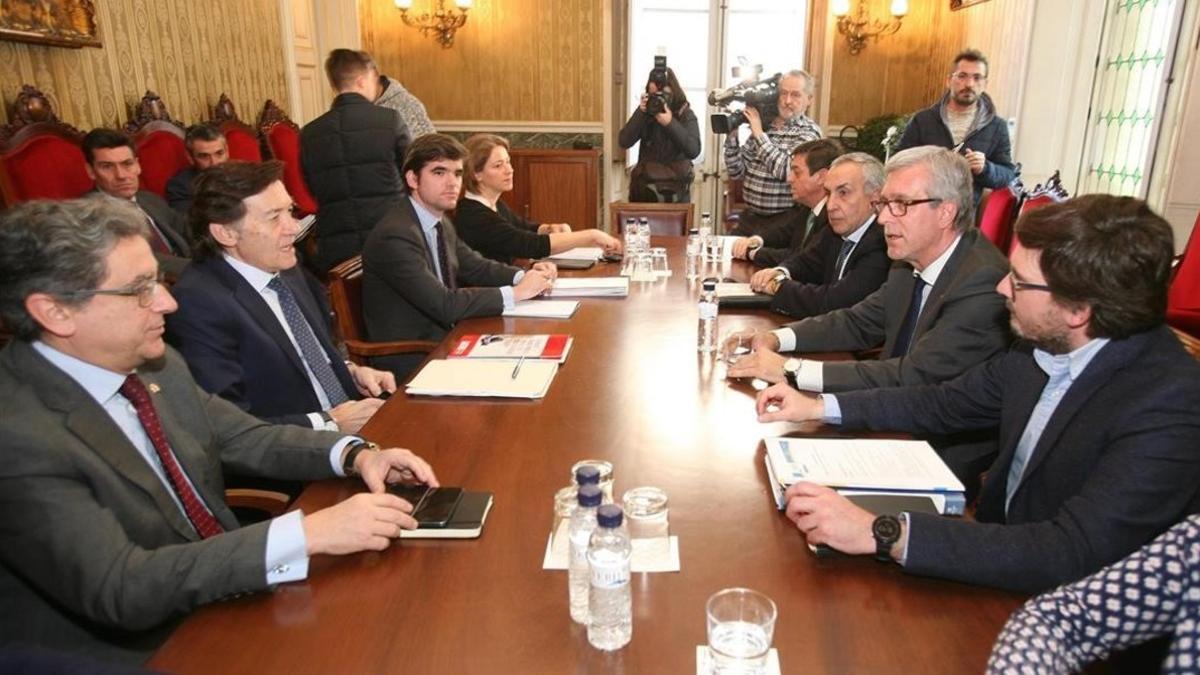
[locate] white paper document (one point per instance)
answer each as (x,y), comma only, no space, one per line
(649,555)
(583,287)
(734,290)
(484,377)
(543,309)
(582,253)
(704,665)
(865,464)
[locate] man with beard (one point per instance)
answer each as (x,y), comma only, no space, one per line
(1095,407)
(965,121)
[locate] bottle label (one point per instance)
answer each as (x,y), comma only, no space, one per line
(612,575)
(708,310)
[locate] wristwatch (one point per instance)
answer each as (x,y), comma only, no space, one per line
(886,530)
(791,368)
(328,423)
(352,454)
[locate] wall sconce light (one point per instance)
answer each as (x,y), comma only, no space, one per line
(861,27)
(441,21)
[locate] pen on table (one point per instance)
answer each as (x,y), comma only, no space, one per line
(517,368)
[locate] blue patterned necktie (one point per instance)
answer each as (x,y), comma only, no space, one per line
(310,349)
(905,336)
(843,254)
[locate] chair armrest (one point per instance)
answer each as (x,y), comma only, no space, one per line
(367,349)
(273,503)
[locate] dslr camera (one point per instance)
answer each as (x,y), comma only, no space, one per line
(762,95)
(657,102)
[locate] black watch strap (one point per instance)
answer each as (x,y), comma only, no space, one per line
(886,530)
(352,454)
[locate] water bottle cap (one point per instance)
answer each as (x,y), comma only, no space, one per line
(587,475)
(590,495)
(609,515)
(709,284)
(694,230)
(706,214)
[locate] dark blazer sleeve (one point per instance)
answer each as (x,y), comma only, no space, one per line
(179,191)
(807,293)
(473,269)
(998,170)
(778,256)
(489,233)
(684,132)
(631,133)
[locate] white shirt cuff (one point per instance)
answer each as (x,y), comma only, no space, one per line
(811,376)
(833,409)
(506,294)
(335,454)
(787,339)
(286,557)
(787,273)
(316,421)
(904,553)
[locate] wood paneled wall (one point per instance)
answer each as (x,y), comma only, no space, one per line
(904,72)
(187,52)
(518,60)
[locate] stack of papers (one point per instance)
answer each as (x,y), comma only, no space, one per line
(554,347)
(544,309)
(485,377)
(590,287)
(864,466)
(581,253)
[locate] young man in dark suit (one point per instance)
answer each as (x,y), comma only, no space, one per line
(252,325)
(111,161)
(206,147)
(1095,407)
(419,278)
(113,523)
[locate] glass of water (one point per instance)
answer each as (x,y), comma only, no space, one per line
(741,625)
(735,345)
(646,512)
(658,262)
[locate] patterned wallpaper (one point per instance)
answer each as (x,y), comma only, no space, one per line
(187,52)
(523,60)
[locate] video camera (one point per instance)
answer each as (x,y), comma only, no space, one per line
(657,102)
(762,95)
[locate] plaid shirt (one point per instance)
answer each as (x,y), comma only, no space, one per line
(763,164)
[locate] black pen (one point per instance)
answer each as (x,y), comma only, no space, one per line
(517,369)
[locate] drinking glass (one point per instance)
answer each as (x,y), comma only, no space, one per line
(646,512)
(741,625)
(735,345)
(658,262)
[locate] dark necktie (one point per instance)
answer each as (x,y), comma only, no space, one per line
(158,241)
(847,246)
(310,349)
(206,525)
(443,257)
(904,337)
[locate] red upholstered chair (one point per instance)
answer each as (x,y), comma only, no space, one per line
(282,138)
(1183,297)
(242,139)
(40,157)
(997,215)
(1041,195)
(159,141)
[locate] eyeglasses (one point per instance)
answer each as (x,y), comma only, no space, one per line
(143,291)
(899,207)
(969,77)
(1025,285)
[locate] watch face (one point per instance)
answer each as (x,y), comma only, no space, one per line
(886,528)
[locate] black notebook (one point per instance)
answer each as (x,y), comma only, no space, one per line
(879,504)
(466,522)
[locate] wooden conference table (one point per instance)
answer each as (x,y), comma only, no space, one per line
(634,392)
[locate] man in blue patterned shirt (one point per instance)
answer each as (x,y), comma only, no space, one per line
(762,162)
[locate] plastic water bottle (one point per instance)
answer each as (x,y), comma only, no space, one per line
(706,341)
(644,234)
(693,250)
(708,238)
(631,245)
(611,625)
(583,521)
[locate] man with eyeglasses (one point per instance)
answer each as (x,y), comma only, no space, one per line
(1095,407)
(965,120)
(935,316)
(113,522)
(762,162)
(252,325)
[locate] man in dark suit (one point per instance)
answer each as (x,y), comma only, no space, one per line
(111,161)
(419,278)
(809,163)
(252,325)
(113,523)
(1096,411)
(351,158)
(936,315)
(206,146)
(848,260)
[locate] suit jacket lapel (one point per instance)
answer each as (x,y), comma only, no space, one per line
(937,294)
(1029,384)
(254,305)
(85,418)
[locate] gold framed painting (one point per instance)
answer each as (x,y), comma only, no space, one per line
(62,23)
(962,4)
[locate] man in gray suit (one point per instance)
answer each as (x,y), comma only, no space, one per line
(937,314)
(111,162)
(112,518)
(419,278)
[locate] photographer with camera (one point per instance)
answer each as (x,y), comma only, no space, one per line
(670,137)
(762,163)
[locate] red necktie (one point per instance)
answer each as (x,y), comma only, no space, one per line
(204,522)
